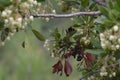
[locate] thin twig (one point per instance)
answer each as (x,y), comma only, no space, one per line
(99,2)
(68,15)
(97,71)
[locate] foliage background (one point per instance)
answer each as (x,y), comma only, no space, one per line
(32,62)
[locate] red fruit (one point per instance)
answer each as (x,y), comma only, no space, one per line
(58,67)
(90,57)
(67,68)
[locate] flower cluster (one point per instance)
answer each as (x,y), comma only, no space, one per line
(110,39)
(104,71)
(47,44)
(107,69)
(16,17)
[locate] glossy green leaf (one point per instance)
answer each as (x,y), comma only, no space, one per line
(38,35)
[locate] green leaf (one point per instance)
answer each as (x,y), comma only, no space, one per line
(1,25)
(56,34)
(40,0)
(95,51)
(38,35)
(118,2)
(112,15)
(84,3)
(4,3)
(92,6)
(104,10)
(76,25)
(110,5)
(95,42)
(117,54)
(4,34)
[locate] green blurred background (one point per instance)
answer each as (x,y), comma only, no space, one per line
(32,62)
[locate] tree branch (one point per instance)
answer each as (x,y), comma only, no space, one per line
(99,2)
(97,71)
(68,15)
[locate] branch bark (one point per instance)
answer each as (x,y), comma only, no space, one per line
(99,2)
(97,71)
(93,13)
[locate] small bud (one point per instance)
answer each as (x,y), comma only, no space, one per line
(103,45)
(54,11)
(113,58)
(114,74)
(31,18)
(19,19)
(8,12)
(47,19)
(35,2)
(101,74)
(8,38)
(112,38)
(102,35)
(11,19)
(117,46)
(23,27)
(103,69)
(6,20)
(39,4)
(87,42)
(105,73)
(48,49)
(71,19)
(88,78)
(115,28)
(25,4)
(110,75)
(4,14)
(52,55)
